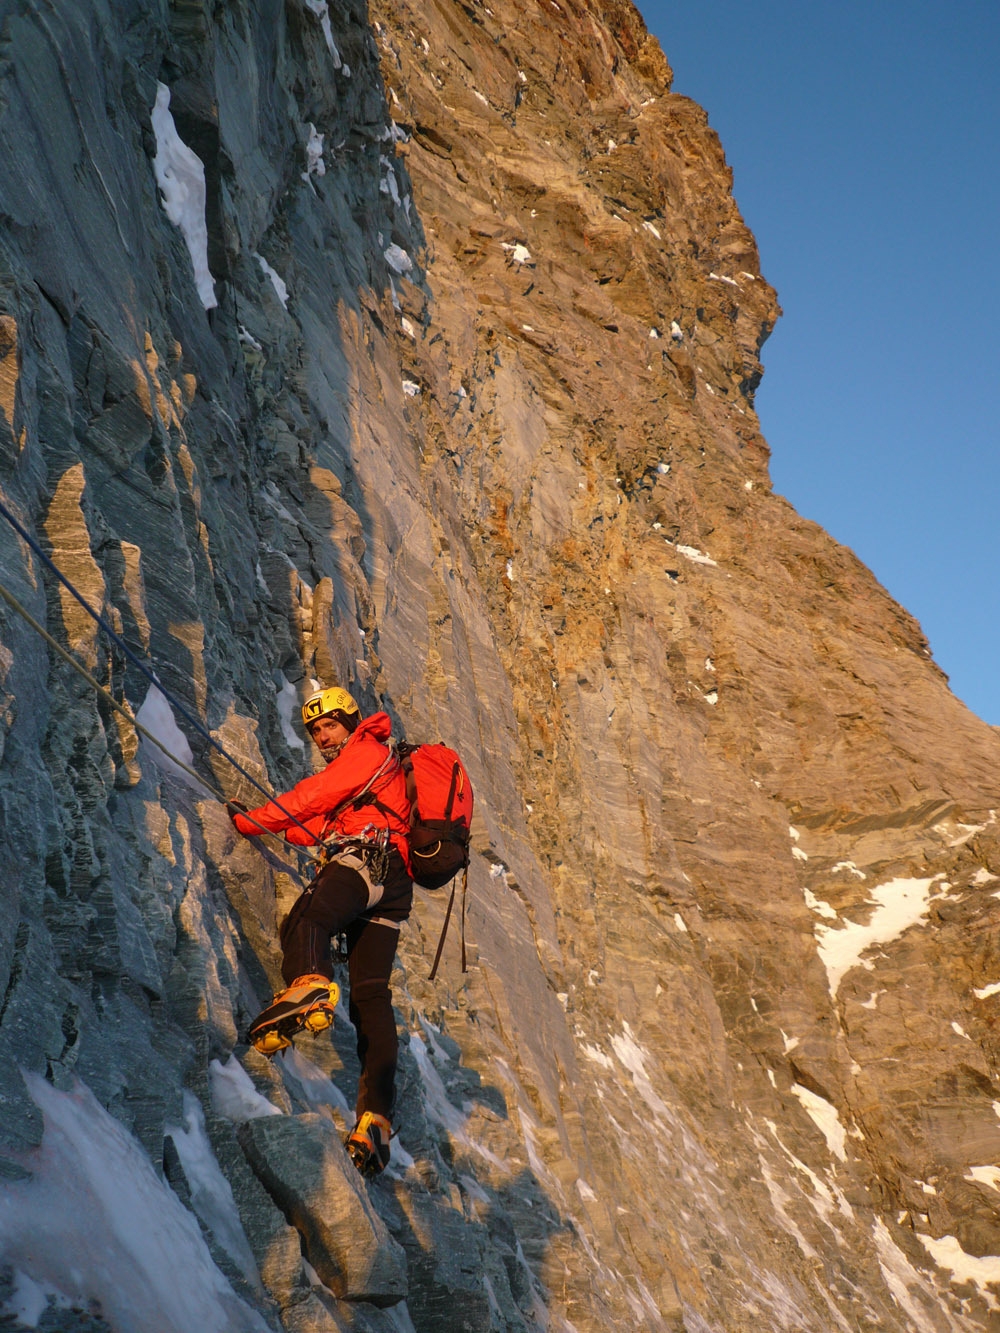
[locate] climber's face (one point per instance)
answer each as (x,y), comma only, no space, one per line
(329,735)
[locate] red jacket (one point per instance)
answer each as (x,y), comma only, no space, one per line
(313,800)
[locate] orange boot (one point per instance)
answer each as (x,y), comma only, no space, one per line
(308,1003)
(368,1143)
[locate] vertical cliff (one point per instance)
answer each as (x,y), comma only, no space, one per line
(414,348)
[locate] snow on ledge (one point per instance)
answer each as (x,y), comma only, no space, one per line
(180,175)
(695,556)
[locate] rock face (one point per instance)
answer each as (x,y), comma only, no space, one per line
(414,349)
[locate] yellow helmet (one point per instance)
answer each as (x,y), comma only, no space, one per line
(321,703)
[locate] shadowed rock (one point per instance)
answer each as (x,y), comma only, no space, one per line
(302,1164)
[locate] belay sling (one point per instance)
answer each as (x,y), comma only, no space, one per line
(440,793)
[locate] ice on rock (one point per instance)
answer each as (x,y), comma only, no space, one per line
(95,1223)
(211,1194)
(180,175)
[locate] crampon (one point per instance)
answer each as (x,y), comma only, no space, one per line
(368,1143)
(307,1005)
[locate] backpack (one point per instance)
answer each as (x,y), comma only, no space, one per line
(440,793)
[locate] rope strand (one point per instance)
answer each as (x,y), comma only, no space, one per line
(136,661)
(105,694)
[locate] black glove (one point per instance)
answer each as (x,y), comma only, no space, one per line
(234,808)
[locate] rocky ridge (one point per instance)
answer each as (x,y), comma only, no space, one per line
(469,429)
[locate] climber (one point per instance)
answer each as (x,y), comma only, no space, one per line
(358,809)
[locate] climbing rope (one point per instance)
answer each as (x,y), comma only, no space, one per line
(109,698)
(150,675)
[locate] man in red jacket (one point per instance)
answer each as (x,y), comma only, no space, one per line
(357,807)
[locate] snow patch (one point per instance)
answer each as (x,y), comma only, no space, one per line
(899,1274)
(595,1054)
(817,904)
(984,992)
(899,904)
(96,1223)
(652,230)
(322,12)
(288,705)
(233,1093)
(397,259)
(519,254)
(721,277)
(947,1253)
(851,869)
(156,715)
(985,1175)
(799,854)
(315,166)
(824,1116)
(180,174)
(277,282)
(633,1057)
(411,388)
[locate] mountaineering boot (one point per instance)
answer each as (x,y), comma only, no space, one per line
(308,1003)
(368,1143)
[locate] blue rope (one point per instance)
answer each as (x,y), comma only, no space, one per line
(136,661)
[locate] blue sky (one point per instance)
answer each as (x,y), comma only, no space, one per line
(865,144)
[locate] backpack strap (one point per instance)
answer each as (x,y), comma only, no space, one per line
(452,790)
(364,797)
(447,919)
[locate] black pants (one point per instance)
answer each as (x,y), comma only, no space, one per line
(335,902)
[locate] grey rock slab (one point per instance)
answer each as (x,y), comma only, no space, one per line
(303,1166)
